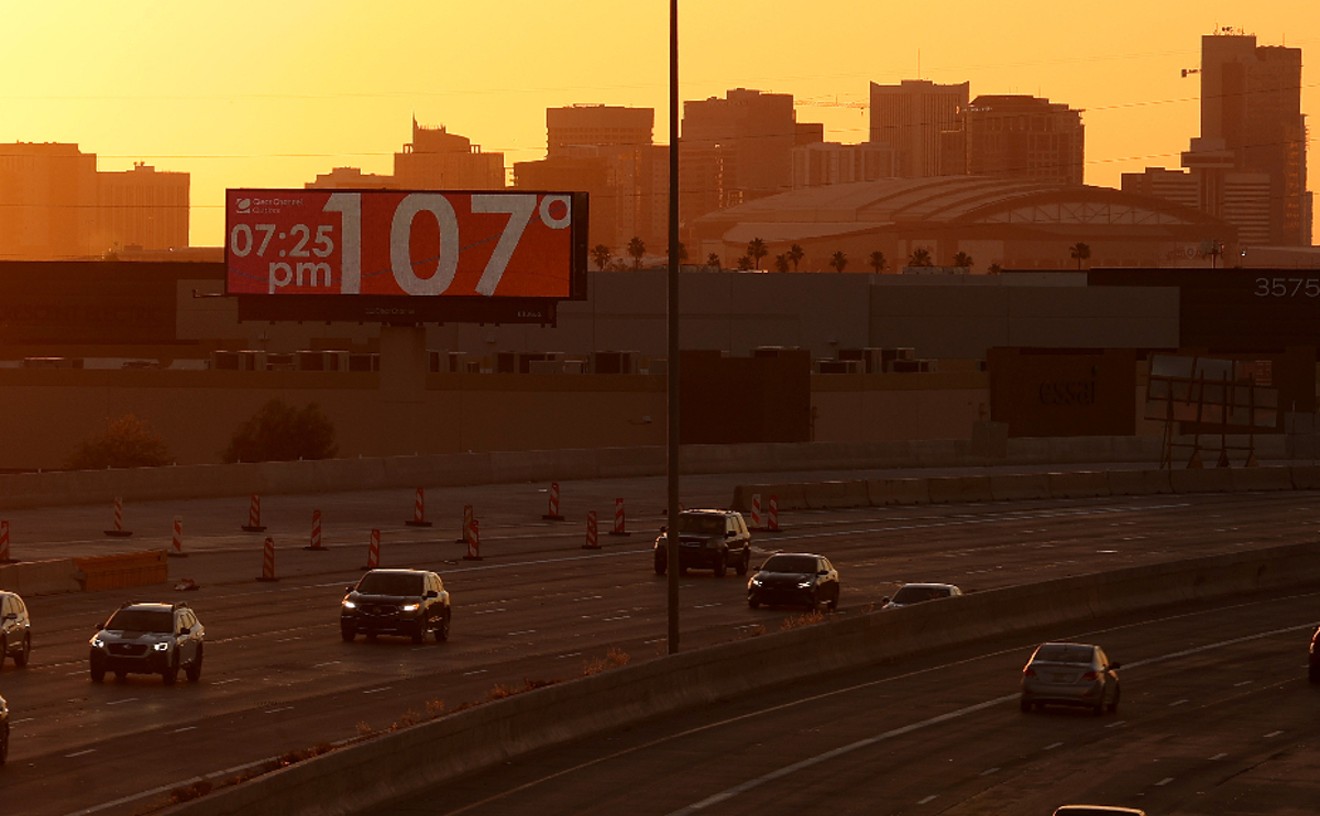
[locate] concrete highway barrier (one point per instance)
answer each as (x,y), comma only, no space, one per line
(1261,478)
(46,577)
(947,489)
(835,494)
(897,491)
(374,772)
(122,570)
(1085,484)
(1201,480)
(1138,482)
(1020,486)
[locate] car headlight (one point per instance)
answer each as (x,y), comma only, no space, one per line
(756,580)
(161,646)
(806,584)
(412,607)
(350,605)
(98,643)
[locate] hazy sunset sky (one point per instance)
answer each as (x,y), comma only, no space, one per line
(269,94)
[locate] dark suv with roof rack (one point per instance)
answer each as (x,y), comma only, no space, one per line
(148,638)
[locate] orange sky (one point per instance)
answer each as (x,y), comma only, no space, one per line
(261,94)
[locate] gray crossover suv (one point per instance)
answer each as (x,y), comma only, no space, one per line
(148,638)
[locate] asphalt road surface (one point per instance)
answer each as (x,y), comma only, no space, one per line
(277,679)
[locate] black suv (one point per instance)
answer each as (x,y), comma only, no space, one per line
(148,638)
(15,629)
(396,602)
(707,539)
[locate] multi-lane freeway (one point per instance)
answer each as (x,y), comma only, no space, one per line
(1215,701)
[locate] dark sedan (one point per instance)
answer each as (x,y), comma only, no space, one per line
(795,579)
(408,602)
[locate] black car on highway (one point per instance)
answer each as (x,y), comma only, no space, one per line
(409,602)
(795,579)
(4,730)
(1313,657)
(707,539)
(148,638)
(15,629)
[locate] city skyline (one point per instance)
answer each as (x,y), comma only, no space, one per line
(239,94)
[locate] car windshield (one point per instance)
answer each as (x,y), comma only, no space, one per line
(385,583)
(790,563)
(141,620)
(702,523)
(1064,653)
(916,594)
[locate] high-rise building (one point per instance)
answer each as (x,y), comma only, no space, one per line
(737,149)
(439,160)
(55,204)
(1024,137)
(824,163)
(1248,166)
(911,117)
(605,151)
(1251,100)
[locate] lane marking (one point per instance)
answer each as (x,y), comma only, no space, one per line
(568,655)
(377,690)
(989,772)
(185,728)
(1220,755)
(121,702)
(1053,745)
(929,799)
(1273,734)
(80,753)
(277,710)
(522,632)
(1179,702)
(1166,780)
(475,671)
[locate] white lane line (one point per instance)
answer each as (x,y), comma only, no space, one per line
(1243,683)
(989,772)
(185,728)
(568,655)
(929,799)
(277,710)
(287,639)
(522,632)
(74,673)
(476,671)
(489,611)
(377,690)
(121,702)
(707,606)
(1179,702)
(323,665)
(1166,780)
(1053,745)
(226,682)
(1273,734)
(80,753)
(1116,724)
(616,618)
(24,720)
(1218,756)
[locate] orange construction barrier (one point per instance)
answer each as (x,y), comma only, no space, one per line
(620,526)
(316,533)
(176,541)
(268,561)
(373,551)
(4,542)
(419,510)
(773,524)
(592,542)
(473,542)
(254,516)
(118,530)
(552,513)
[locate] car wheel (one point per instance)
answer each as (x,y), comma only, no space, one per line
(120,676)
(4,745)
(97,671)
(347,633)
(4,649)
(659,564)
(419,635)
(721,565)
(1313,673)
(744,563)
(833,605)
(171,673)
(753,603)
(1112,708)
(194,670)
(442,631)
(1025,705)
(21,659)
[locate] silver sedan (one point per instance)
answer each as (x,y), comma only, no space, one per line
(1074,674)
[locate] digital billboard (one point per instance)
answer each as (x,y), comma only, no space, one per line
(404,255)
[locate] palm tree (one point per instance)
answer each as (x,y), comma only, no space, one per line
(838,260)
(920,257)
(962,260)
(781,263)
(636,248)
(994,269)
(756,250)
(713,260)
(1080,252)
(601,255)
(745,263)
(795,254)
(877,261)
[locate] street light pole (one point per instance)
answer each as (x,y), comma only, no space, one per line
(671,370)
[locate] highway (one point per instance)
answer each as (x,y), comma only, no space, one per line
(538,608)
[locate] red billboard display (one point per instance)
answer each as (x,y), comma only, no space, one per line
(394,250)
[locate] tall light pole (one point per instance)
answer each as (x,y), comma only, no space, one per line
(671,370)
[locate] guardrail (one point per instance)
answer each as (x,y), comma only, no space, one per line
(432,753)
(1024,486)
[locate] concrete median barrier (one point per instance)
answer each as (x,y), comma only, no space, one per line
(1306,477)
(1020,487)
(1138,482)
(1086,484)
(883,492)
(1201,480)
(429,754)
(48,577)
(1250,479)
(834,495)
(949,489)
(123,570)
